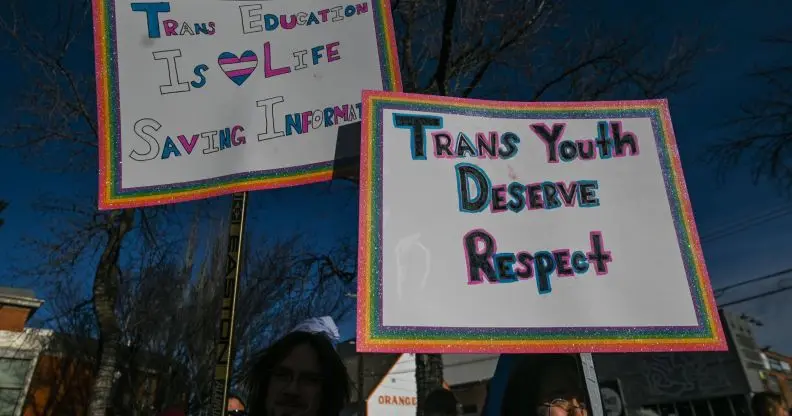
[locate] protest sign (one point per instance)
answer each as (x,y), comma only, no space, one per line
(397,392)
(198,98)
(504,227)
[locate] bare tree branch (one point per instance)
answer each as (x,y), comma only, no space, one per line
(3,206)
(445,46)
(762,132)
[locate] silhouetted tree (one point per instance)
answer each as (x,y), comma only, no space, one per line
(168,308)
(56,113)
(3,206)
(283,283)
(763,130)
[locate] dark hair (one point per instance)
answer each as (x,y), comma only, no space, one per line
(524,387)
(765,404)
(441,401)
(335,381)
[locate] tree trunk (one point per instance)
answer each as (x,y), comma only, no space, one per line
(428,376)
(105,294)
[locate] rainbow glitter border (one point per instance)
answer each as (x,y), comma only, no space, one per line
(113,196)
(373,336)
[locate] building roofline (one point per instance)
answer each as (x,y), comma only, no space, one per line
(22,301)
(777,355)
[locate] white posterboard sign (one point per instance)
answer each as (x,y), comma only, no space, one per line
(198,98)
(504,227)
(397,393)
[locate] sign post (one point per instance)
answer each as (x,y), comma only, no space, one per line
(592,386)
(224,347)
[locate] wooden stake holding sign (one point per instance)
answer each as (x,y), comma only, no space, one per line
(212,107)
(224,349)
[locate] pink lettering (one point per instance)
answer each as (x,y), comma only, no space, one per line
(170,27)
(237,140)
(188,145)
(332,52)
(306,120)
(268,71)
(341,113)
(290,24)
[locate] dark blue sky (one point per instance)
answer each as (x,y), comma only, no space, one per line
(328,212)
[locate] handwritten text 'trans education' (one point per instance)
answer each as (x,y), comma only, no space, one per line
(235,68)
(477,193)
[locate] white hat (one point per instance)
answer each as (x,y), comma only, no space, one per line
(323,325)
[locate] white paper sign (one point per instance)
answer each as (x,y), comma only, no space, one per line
(207,97)
(396,394)
(512,226)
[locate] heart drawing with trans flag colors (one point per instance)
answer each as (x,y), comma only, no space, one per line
(238,69)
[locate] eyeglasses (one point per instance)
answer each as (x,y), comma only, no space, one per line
(572,407)
(236,413)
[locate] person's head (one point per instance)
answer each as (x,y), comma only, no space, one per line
(441,402)
(301,374)
(236,406)
(768,404)
(545,385)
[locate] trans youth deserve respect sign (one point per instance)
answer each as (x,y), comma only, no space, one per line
(527,227)
(206,97)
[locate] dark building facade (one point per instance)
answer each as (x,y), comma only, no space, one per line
(777,374)
(689,383)
(679,384)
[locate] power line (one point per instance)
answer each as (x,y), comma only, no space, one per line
(718,292)
(754,297)
(743,221)
(735,227)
